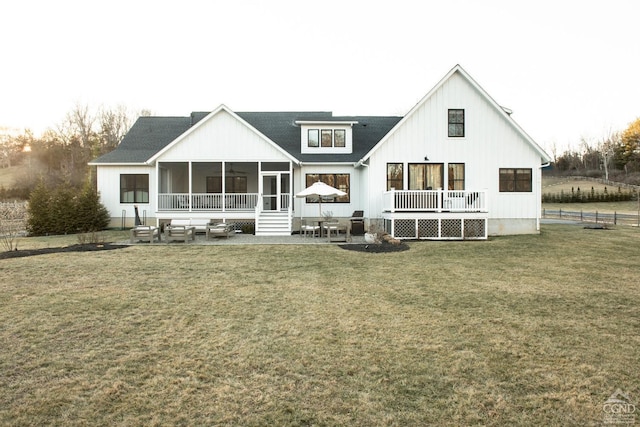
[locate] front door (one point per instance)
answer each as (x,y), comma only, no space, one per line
(270,193)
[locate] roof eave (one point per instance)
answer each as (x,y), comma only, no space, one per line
(119,164)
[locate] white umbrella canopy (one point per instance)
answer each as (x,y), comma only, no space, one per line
(320,189)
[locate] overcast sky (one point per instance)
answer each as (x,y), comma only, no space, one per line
(568,69)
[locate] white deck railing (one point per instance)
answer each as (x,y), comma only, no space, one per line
(434,201)
(207,201)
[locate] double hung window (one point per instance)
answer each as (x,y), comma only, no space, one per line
(456,123)
(455,176)
(394,176)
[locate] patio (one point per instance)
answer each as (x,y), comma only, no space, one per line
(250,239)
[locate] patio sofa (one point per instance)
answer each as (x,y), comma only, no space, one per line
(200,225)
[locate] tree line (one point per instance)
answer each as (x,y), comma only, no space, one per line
(615,157)
(60,156)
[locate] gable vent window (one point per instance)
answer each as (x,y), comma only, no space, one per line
(456,123)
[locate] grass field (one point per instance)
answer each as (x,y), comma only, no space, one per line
(557,184)
(521,330)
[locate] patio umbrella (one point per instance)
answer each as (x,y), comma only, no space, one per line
(320,189)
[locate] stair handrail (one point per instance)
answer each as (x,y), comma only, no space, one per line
(258,211)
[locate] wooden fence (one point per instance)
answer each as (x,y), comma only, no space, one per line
(593,217)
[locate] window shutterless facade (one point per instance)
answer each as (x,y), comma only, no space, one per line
(339,138)
(341,181)
(313,137)
(395,176)
(134,188)
(515,180)
(455,176)
(456,123)
(425,176)
(326,138)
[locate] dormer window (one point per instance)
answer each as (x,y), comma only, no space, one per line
(339,138)
(313,137)
(326,137)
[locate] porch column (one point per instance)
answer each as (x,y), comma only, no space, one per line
(224,183)
(190,185)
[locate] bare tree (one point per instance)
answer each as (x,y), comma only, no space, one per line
(78,125)
(607,146)
(114,124)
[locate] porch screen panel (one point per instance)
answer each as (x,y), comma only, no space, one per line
(235,184)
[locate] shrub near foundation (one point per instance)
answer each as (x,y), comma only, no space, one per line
(64,210)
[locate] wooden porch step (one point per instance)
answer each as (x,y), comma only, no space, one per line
(273,224)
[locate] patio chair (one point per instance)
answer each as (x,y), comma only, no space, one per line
(336,232)
(179,232)
(219,230)
(309,227)
(145,233)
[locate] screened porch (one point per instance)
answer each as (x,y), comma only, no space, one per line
(223,186)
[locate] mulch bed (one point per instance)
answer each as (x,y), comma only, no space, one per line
(89,247)
(92,247)
(376,248)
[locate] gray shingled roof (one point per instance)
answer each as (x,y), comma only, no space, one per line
(149,135)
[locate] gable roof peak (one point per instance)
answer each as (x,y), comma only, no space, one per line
(506,113)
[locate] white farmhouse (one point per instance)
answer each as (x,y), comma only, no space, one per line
(457,166)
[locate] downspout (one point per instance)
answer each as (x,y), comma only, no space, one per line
(361,163)
(544,165)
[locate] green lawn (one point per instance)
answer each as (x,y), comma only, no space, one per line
(521,330)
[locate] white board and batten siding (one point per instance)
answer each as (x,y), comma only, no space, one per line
(338,210)
(108,178)
(491,142)
(222,136)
